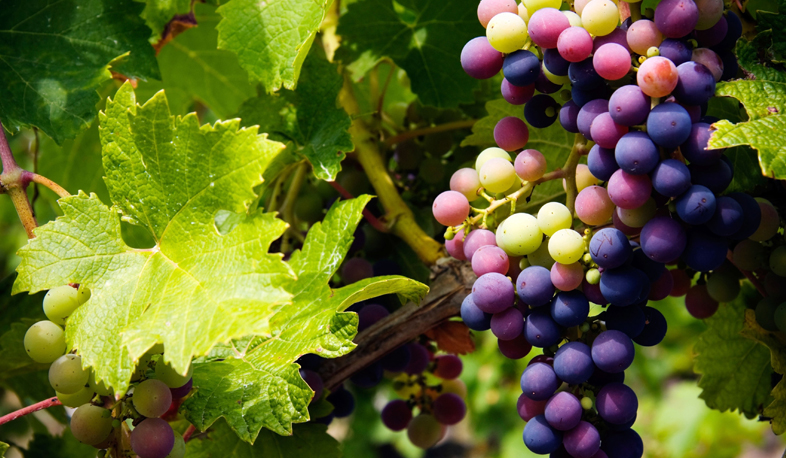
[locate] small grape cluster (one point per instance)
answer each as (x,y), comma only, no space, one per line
(97,418)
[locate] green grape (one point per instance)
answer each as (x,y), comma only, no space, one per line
(91,424)
(600,17)
(497,175)
(99,387)
(541,256)
(638,217)
(534,5)
(556,79)
(523,13)
(723,285)
(593,276)
(166,374)
(765,313)
(507,32)
(179,450)
(573,18)
(424,431)
(524,263)
(586,403)
(778,261)
(141,367)
(45,342)
(152,398)
(780,317)
(82,396)
(749,255)
(60,302)
(566,246)
(519,234)
(308,207)
(490,153)
(554,216)
(83,294)
(66,374)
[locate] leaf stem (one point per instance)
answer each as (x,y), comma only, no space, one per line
(6,156)
(373,220)
(456,125)
(45,404)
(571,190)
(46,182)
(189,432)
(288,206)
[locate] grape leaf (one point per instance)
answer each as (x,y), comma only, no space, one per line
(271,38)
(424,37)
(158,13)
(252,387)
(307,116)
(54,55)
(191,63)
(63,446)
(770,19)
(307,440)
(196,287)
(3,448)
(753,60)
(735,371)
(19,313)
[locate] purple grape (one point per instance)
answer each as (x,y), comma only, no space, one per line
(593,293)
(622,286)
(508,324)
(617,403)
(676,51)
(182,391)
(516,348)
(676,18)
(343,402)
(629,106)
(727,219)
(629,191)
(563,411)
(583,76)
(670,178)
(588,113)
(601,162)
(545,85)
(573,363)
(704,251)
(516,95)
(480,60)
(477,239)
(541,330)
(540,437)
(629,320)
(152,438)
(396,415)
(554,62)
(568,116)
(521,68)
(539,382)
(695,147)
(612,351)
(695,85)
(609,248)
(661,288)
(493,293)
(605,132)
(636,153)
(489,259)
(716,176)
(369,315)
(448,367)
(654,328)
(714,35)
(528,409)
(449,409)
(663,239)
(730,65)
(397,360)
(668,124)
(583,441)
(733,32)
(751,213)
(314,381)
(534,286)
(541,111)
(511,133)
(623,444)
(694,111)
(475,318)
(569,308)
(697,205)
(419,358)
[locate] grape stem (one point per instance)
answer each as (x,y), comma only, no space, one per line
(45,404)
(189,432)
(571,190)
(288,206)
(749,275)
(456,125)
(372,220)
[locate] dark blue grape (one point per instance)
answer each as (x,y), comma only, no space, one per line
(475,318)
(733,33)
(569,308)
(623,444)
(397,360)
(697,205)
(545,85)
(675,50)
(541,111)
(730,65)
(609,248)
(563,411)
(583,76)
(600,378)
(716,176)
(521,68)
(654,328)
(541,330)
(728,217)
(555,63)
(629,106)
(704,251)
(601,162)
(343,402)
(622,286)
(612,351)
(539,382)
(668,125)
(573,363)
(534,286)
(671,178)
(695,84)
(617,403)
(568,116)
(663,239)
(751,215)
(652,269)
(629,320)
(636,153)
(540,437)
(588,113)
(695,147)
(582,96)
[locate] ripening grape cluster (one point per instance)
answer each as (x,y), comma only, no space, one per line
(98,417)
(650,195)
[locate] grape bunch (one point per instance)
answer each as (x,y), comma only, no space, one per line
(98,418)
(650,195)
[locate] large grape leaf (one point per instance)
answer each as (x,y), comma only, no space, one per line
(191,64)
(772,20)
(752,58)
(54,55)
(307,116)
(258,377)
(271,38)
(196,287)
(19,313)
(735,371)
(306,441)
(424,37)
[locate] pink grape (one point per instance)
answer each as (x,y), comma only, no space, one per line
(611,61)
(642,35)
(530,165)
(490,258)
(593,206)
(605,132)
(467,182)
(455,246)
(545,26)
(657,76)
(699,303)
(681,283)
(450,208)
(480,60)
(511,133)
(676,18)
(709,59)
(516,95)
(477,239)
(487,9)
(575,44)
(567,277)
(629,191)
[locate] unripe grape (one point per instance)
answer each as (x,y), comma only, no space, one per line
(91,424)
(490,153)
(530,165)
(179,449)
(451,208)
(152,398)
(467,182)
(507,32)
(45,342)
(487,9)
(519,234)
(554,216)
(60,302)
(600,17)
(424,431)
(566,246)
(77,399)
(168,375)
(497,175)
(66,374)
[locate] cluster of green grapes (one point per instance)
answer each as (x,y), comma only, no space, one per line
(99,419)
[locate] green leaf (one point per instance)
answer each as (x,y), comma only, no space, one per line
(19,313)
(54,56)
(260,386)
(747,173)
(191,64)
(424,37)
(735,371)
(306,441)
(770,19)
(158,13)
(752,59)
(307,116)
(64,446)
(196,287)
(3,448)
(271,38)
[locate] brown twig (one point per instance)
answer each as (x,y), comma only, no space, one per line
(373,220)
(45,404)
(430,130)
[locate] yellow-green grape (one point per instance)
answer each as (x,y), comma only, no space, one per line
(778,261)
(519,234)
(490,153)
(455,386)
(586,403)
(541,256)
(507,32)
(99,387)
(584,177)
(66,374)
(723,285)
(83,294)
(152,398)
(424,431)
(573,18)
(82,396)
(593,276)
(600,17)
(91,424)
(524,262)
(523,13)
(60,302)
(638,217)
(179,450)
(556,79)
(45,342)
(497,175)
(166,374)
(534,5)
(566,246)
(514,187)
(554,216)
